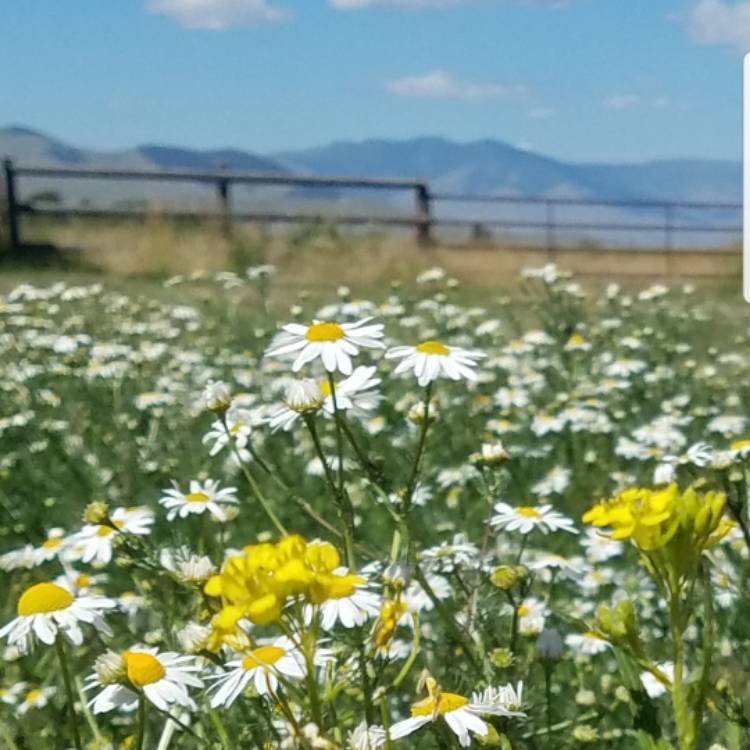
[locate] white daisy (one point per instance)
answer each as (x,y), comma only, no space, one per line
(164,679)
(600,548)
(365,737)
(333,343)
(348,601)
(355,393)
(532,614)
(462,715)
(263,665)
(526,518)
(240,423)
(46,609)
(36,698)
(54,546)
(431,359)
(654,687)
(202,497)
(93,544)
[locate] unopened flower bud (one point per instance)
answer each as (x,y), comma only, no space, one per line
(96,512)
(216,396)
(505,577)
(491,454)
(549,645)
(502,658)
(417,414)
(304,396)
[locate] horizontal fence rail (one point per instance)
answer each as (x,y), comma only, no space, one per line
(423,219)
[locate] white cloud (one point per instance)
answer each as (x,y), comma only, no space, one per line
(218,15)
(620,101)
(441,85)
(719,22)
(423,4)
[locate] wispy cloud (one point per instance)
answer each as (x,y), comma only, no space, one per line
(441,85)
(720,23)
(424,4)
(628,101)
(217,15)
(621,101)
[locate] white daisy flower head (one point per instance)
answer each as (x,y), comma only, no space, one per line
(653,686)
(201,497)
(527,518)
(356,393)
(334,344)
(462,715)
(35,698)
(262,666)
(430,360)
(303,396)
(186,565)
(348,601)
(163,678)
(47,609)
(93,544)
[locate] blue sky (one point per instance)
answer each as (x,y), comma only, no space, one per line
(582,80)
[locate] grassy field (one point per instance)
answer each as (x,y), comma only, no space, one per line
(208,544)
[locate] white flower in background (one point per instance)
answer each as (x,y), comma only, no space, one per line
(217,396)
(17,558)
(600,548)
(507,398)
(240,423)
(653,686)
(588,643)
(93,544)
(10,695)
(554,483)
(78,583)
(263,666)
(164,679)
(459,554)
(532,614)
(462,715)
(727,425)
(527,518)
(432,359)
(333,343)
(202,497)
(46,609)
(544,424)
(186,565)
(36,698)
(54,546)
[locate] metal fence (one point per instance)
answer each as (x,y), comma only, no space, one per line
(670,223)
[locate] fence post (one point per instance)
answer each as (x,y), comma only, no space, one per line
(549,226)
(422,196)
(10,194)
(225,207)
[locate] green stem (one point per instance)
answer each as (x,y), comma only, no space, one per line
(682,714)
(254,485)
(410,487)
(141,721)
(62,658)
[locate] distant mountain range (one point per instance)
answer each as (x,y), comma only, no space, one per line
(481,167)
(488,166)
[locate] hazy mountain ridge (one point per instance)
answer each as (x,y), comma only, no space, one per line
(486,166)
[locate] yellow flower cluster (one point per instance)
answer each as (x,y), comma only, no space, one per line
(656,518)
(258,583)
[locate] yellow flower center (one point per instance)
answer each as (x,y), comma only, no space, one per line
(523,610)
(324,332)
(44,597)
(197,497)
(82,580)
(143,669)
(340,587)
(739,445)
(265,656)
(325,387)
(442,704)
(32,695)
(528,512)
(433,347)
(52,543)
